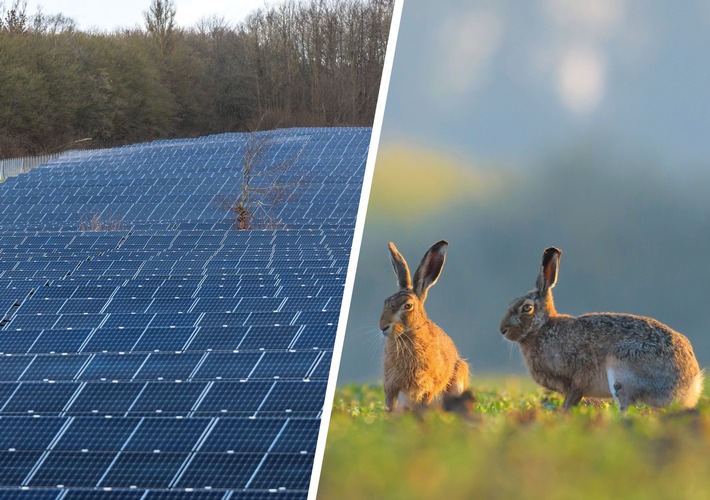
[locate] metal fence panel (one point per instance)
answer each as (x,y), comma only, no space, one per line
(16,166)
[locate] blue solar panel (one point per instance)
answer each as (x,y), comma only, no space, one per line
(175,355)
(69,468)
(169,397)
(106,398)
(60,341)
(243,434)
(53,367)
(40,398)
(113,366)
(168,435)
(228,471)
(241,398)
(95,433)
(19,433)
(15,466)
(114,339)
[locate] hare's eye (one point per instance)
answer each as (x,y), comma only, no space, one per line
(526,308)
(408,306)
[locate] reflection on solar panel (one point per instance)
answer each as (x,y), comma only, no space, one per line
(174,354)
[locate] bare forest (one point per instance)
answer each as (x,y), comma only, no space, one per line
(295,63)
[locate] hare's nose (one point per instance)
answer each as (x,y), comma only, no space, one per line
(503,327)
(385,330)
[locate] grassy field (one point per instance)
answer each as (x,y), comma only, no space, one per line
(517,444)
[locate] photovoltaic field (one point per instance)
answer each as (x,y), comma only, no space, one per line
(171,353)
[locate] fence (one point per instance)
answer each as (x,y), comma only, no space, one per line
(16,166)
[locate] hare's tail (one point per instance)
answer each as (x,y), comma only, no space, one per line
(692,395)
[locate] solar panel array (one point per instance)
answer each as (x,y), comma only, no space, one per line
(172,354)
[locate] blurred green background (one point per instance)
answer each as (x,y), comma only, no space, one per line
(511,126)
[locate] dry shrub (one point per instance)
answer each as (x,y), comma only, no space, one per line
(96,221)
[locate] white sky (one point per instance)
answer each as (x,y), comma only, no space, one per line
(108,15)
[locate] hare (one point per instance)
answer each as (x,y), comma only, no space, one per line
(630,358)
(421,362)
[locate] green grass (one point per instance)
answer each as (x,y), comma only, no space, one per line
(518,444)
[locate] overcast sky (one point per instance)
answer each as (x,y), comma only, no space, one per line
(129,13)
(504,81)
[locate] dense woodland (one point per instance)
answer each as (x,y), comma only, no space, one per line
(293,63)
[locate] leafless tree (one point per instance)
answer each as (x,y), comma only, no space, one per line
(52,23)
(265,185)
(15,19)
(160,22)
(96,221)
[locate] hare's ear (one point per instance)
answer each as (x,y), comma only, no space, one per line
(401,270)
(548,271)
(430,269)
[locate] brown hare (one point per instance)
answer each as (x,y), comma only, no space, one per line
(630,358)
(421,361)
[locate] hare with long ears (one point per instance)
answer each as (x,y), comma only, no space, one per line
(633,359)
(421,361)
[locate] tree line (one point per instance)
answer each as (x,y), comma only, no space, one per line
(295,63)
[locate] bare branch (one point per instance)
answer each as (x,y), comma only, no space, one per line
(265,185)
(96,222)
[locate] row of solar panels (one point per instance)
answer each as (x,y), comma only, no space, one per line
(176,355)
(166,286)
(220,336)
(199,460)
(329,218)
(136,434)
(145,184)
(175,236)
(225,398)
(162,226)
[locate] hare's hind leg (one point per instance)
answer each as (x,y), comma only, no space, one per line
(625,384)
(620,392)
(459,380)
(630,384)
(660,392)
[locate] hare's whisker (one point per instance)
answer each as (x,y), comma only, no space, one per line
(407,343)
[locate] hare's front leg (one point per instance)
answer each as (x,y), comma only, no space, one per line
(391,398)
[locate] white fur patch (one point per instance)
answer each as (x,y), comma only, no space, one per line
(696,389)
(459,387)
(699,382)
(612,380)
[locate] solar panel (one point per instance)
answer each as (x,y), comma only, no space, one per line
(163,353)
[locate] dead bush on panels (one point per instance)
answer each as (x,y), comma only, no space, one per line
(265,186)
(96,221)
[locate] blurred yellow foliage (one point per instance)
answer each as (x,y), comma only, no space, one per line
(518,444)
(412,181)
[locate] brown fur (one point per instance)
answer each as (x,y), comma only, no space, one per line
(421,361)
(647,361)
